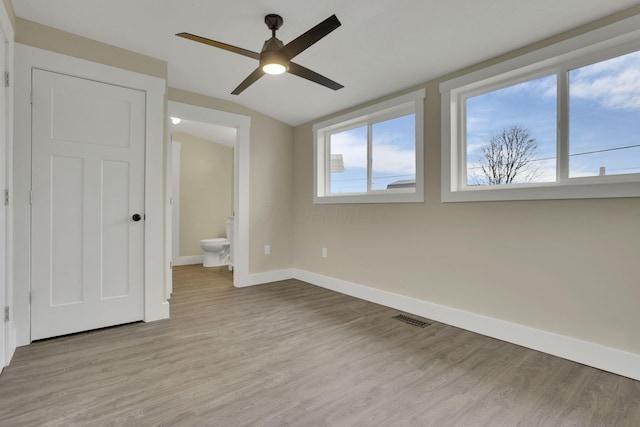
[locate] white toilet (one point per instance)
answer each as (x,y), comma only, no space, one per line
(217,251)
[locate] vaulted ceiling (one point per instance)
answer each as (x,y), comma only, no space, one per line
(382,47)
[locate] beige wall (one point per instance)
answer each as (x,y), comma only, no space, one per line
(9,8)
(564,266)
(271,182)
(206,191)
(52,39)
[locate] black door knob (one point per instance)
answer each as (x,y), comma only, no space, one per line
(136,217)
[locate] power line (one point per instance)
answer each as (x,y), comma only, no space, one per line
(529,161)
(579,154)
(605,149)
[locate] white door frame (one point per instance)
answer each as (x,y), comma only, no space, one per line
(7,345)
(156,305)
(176,148)
(241,169)
(173,176)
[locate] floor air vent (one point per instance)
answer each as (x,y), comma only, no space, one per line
(412,321)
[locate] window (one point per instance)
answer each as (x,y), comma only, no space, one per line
(373,155)
(562,122)
(511,134)
(604,113)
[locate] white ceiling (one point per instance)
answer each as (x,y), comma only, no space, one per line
(382,47)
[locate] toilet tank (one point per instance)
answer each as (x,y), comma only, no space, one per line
(229,225)
(230,239)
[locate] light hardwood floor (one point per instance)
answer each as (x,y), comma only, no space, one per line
(290,353)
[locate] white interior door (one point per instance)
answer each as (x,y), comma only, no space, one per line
(87,188)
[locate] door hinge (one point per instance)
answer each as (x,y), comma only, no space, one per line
(170,265)
(6,79)
(6,314)
(6,196)
(31,97)
(30,197)
(30,298)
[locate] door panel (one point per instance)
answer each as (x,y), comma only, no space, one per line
(67,211)
(89,119)
(115,230)
(87,182)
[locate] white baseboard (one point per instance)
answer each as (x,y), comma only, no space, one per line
(598,356)
(188,260)
(262,278)
(591,354)
(11,344)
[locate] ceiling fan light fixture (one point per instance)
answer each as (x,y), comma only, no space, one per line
(271,60)
(274,69)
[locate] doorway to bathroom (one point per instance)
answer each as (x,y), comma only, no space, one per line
(207,182)
(202,176)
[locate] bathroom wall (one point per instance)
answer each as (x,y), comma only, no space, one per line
(206,191)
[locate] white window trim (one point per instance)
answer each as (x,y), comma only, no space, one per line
(583,49)
(375,113)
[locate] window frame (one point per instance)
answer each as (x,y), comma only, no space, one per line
(410,103)
(589,48)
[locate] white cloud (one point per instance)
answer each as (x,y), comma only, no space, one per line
(474,147)
(615,84)
(387,157)
(352,148)
(543,86)
(395,160)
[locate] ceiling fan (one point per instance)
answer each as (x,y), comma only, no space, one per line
(275,57)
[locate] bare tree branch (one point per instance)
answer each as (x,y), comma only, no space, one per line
(507,157)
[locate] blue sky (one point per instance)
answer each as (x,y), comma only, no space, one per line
(393,155)
(604,128)
(604,119)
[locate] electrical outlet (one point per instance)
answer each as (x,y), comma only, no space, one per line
(324,252)
(267,249)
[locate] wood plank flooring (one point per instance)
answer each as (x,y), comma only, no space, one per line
(292,354)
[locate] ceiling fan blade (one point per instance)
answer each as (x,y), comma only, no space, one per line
(257,73)
(230,48)
(294,47)
(306,73)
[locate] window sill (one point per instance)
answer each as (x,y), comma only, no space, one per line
(370,198)
(544,192)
